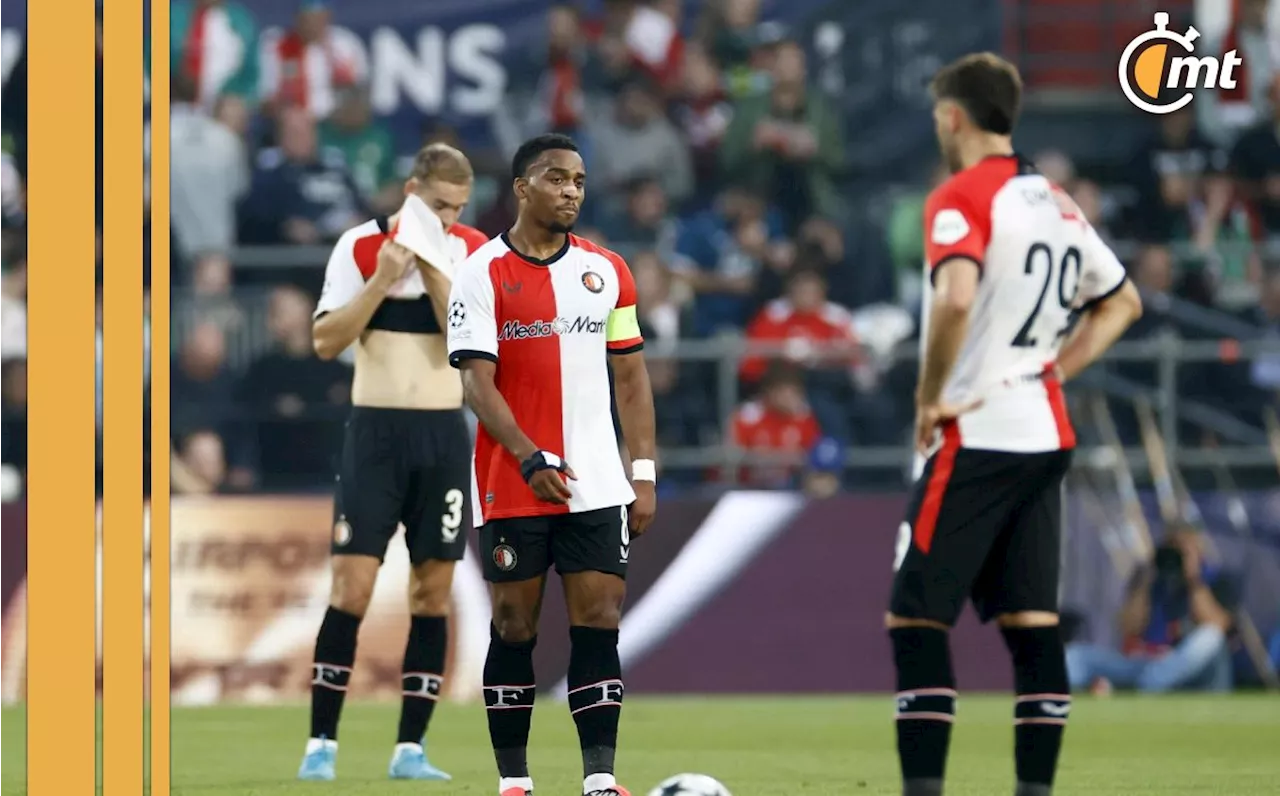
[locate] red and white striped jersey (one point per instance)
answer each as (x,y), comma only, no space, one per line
(406,308)
(1040,260)
(549,325)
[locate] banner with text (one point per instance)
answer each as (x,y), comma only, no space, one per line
(754,592)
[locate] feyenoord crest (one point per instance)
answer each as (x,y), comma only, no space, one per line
(341,532)
(504,556)
(593,281)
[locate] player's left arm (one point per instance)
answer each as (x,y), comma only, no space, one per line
(956,239)
(634,396)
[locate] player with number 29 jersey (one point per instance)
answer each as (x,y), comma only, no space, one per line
(1041,262)
(1022,295)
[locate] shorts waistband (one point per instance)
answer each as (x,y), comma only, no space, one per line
(406,415)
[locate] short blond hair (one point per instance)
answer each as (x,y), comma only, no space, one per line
(442,162)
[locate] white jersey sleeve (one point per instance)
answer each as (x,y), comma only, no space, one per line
(1101,273)
(472,319)
(342,278)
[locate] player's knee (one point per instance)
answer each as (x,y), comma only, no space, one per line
(1028,619)
(352,586)
(429,588)
(604,612)
(893,622)
(514,624)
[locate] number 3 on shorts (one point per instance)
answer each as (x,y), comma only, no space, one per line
(900,547)
(451,520)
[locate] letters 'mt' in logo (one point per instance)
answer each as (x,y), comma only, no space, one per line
(1157,78)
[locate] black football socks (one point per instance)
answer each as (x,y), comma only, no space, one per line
(508,699)
(331,670)
(422,675)
(595,701)
(926,707)
(1042,704)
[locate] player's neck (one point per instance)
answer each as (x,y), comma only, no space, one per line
(534,241)
(979,148)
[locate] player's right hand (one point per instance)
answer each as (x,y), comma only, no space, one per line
(393,261)
(542,471)
(550,486)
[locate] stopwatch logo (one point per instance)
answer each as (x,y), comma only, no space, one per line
(1159,70)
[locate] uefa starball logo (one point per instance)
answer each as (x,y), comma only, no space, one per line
(1159,70)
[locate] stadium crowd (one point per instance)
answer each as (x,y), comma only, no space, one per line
(719,167)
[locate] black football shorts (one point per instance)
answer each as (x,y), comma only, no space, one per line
(984,526)
(521,548)
(410,466)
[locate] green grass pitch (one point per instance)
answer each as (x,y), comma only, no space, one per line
(757,746)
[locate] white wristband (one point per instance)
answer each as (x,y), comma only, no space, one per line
(644,470)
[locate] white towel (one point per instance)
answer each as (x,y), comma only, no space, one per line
(420,231)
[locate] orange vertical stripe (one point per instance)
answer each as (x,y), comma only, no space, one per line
(122,385)
(61,690)
(159,524)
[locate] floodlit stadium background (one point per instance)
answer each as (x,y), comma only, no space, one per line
(779,307)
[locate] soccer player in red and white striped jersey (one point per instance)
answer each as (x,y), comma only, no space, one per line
(537,318)
(1011,261)
(404,455)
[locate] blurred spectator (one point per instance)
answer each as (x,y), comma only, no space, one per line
(554,81)
(1266,368)
(208,175)
(1224,113)
(816,335)
(741,43)
(637,140)
(814,331)
(367,147)
(301,193)
(295,399)
(13,198)
(905,237)
(1089,198)
(202,389)
(651,33)
(308,65)
(1256,163)
(680,405)
(13,111)
(644,223)
(234,114)
(778,422)
(199,466)
(788,144)
(703,114)
(1174,174)
(1058,168)
(13,301)
(1175,622)
(13,427)
(214,43)
(721,253)
(826,464)
(210,298)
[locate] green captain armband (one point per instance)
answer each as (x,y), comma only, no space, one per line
(623,326)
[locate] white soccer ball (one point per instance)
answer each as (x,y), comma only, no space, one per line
(690,785)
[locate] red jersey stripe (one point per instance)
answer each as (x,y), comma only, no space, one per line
(944,464)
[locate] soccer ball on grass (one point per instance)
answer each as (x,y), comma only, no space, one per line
(690,785)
